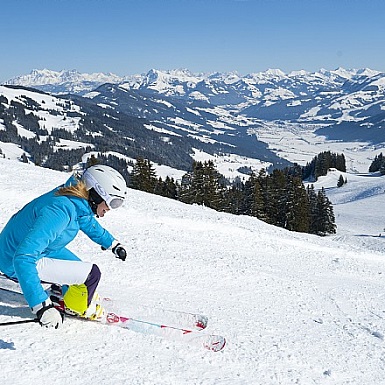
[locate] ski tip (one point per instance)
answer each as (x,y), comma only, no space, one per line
(201,322)
(215,343)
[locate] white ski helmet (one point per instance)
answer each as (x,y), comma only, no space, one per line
(108,183)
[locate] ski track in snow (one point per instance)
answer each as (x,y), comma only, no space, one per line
(295,308)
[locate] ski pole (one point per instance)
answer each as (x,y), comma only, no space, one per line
(10,323)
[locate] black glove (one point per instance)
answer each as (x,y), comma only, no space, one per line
(119,250)
(48,315)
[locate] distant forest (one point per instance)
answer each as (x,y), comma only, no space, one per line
(378,164)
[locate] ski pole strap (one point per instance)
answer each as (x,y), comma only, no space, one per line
(10,323)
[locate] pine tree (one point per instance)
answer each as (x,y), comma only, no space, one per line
(330,226)
(248,196)
(234,199)
(313,210)
(159,187)
(24,158)
(341,181)
(185,188)
(252,202)
(264,188)
(167,188)
(257,208)
(197,192)
(341,163)
(170,188)
(276,198)
(203,187)
(297,206)
(92,160)
(212,187)
(326,219)
(377,163)
(143,176)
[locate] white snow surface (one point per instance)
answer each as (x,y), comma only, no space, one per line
(295,308)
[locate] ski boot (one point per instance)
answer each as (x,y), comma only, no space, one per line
(94,311)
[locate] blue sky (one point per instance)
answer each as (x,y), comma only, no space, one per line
(128,37)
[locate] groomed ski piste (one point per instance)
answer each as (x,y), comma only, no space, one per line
(294,308)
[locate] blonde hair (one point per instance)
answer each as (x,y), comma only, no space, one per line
(78,190)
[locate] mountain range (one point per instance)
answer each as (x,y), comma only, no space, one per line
(273,117)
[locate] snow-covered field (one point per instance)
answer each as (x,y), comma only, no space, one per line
(295,308)
(299,144)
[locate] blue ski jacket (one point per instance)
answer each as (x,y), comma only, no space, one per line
(40,229)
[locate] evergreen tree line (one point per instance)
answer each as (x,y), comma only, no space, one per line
(321,163)
(279,199)
(378,164)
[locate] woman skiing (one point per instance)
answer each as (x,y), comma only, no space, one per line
(32,244)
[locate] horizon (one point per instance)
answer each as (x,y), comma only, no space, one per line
(174,70)
(242,36)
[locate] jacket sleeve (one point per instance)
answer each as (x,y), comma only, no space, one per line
(48,226)
(91,227)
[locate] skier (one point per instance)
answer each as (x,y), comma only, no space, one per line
(32,244)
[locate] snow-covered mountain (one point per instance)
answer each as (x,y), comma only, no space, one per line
(295,308)
(267,87)
(233,89)
(63,82)
(327,106)
(260,116)
(43,125)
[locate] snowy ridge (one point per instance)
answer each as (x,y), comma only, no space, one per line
(45,76)
(295,308)
(64,81)
(181,82)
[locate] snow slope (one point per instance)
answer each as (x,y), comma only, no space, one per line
(295,308)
